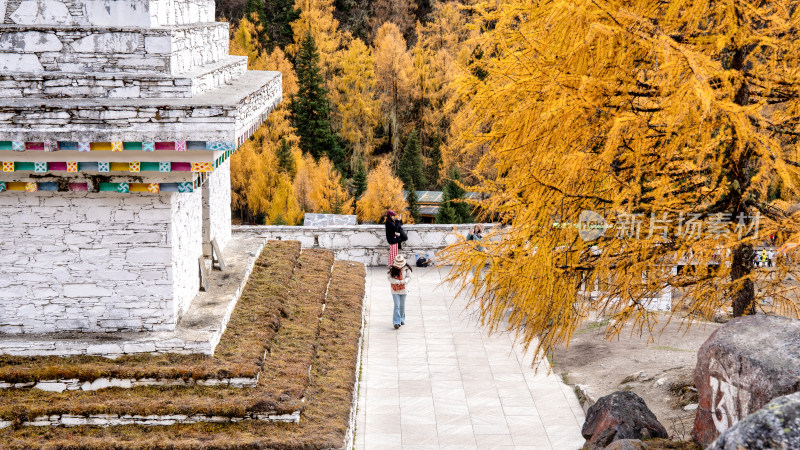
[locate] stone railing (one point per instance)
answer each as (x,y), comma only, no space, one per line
(364,243)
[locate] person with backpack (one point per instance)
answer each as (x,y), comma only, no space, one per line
(395,234)
(399,275)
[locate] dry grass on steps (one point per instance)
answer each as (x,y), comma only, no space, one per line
(279,316)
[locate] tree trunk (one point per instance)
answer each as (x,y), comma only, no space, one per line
(743,301)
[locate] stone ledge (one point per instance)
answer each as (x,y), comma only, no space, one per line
(225,114)
(122,84)
(108,420)
(125,383)
(199,330)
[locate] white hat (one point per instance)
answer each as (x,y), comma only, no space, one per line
(399,262)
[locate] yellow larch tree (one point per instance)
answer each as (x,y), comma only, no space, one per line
(356,110)
(672,121)
(398,12)
(440,43)
(393,71)
(316,16)
(257,188)
(318,187)
(384,192)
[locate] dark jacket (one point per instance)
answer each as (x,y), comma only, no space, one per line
(391,229)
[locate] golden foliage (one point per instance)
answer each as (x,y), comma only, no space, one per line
(257,185)
(632,109)
(393,71)
(356,110)
(440,43)
(318,187)
(384,191)
(317,16)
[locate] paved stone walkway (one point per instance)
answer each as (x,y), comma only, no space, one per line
(440,381)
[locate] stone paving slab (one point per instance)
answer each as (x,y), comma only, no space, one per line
(441,381)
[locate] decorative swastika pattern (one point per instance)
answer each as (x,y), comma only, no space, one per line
(31,187)
(202,167)
(123,188)
(154,188)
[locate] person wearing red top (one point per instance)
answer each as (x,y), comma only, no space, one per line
(399,275)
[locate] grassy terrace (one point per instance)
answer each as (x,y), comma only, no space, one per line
(282,321)
(324,420)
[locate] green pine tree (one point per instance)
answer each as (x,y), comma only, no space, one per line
(310,106)
(411,168)
(360,180)
(285,158)
(452,208)
(279,14)
(435,164)
(254,12)
(413,203)
(447,213)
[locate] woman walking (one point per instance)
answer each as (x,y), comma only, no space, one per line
(392,236)
(399,275)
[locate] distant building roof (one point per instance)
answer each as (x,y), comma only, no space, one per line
(435,197)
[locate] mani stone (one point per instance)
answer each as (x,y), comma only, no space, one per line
(776,426)
(620,415)
(741,367)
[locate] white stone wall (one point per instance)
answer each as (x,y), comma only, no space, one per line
(106,13)
(364,243)
(96,262)
(156,50)
(186,234)
(217,208)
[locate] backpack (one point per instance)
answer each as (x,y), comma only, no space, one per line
(403,236)
(423,262)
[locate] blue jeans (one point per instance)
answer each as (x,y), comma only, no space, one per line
(399,315)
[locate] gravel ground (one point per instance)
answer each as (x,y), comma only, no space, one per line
(659,369)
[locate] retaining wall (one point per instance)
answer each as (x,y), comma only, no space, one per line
(364,243)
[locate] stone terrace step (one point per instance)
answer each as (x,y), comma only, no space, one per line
(123,84)
(230,113)
(168,50)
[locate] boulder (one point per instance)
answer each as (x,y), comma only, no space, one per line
(627,444)
(777,425)
(621,415)
(741,367)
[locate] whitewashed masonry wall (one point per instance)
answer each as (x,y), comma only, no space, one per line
(97,261)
